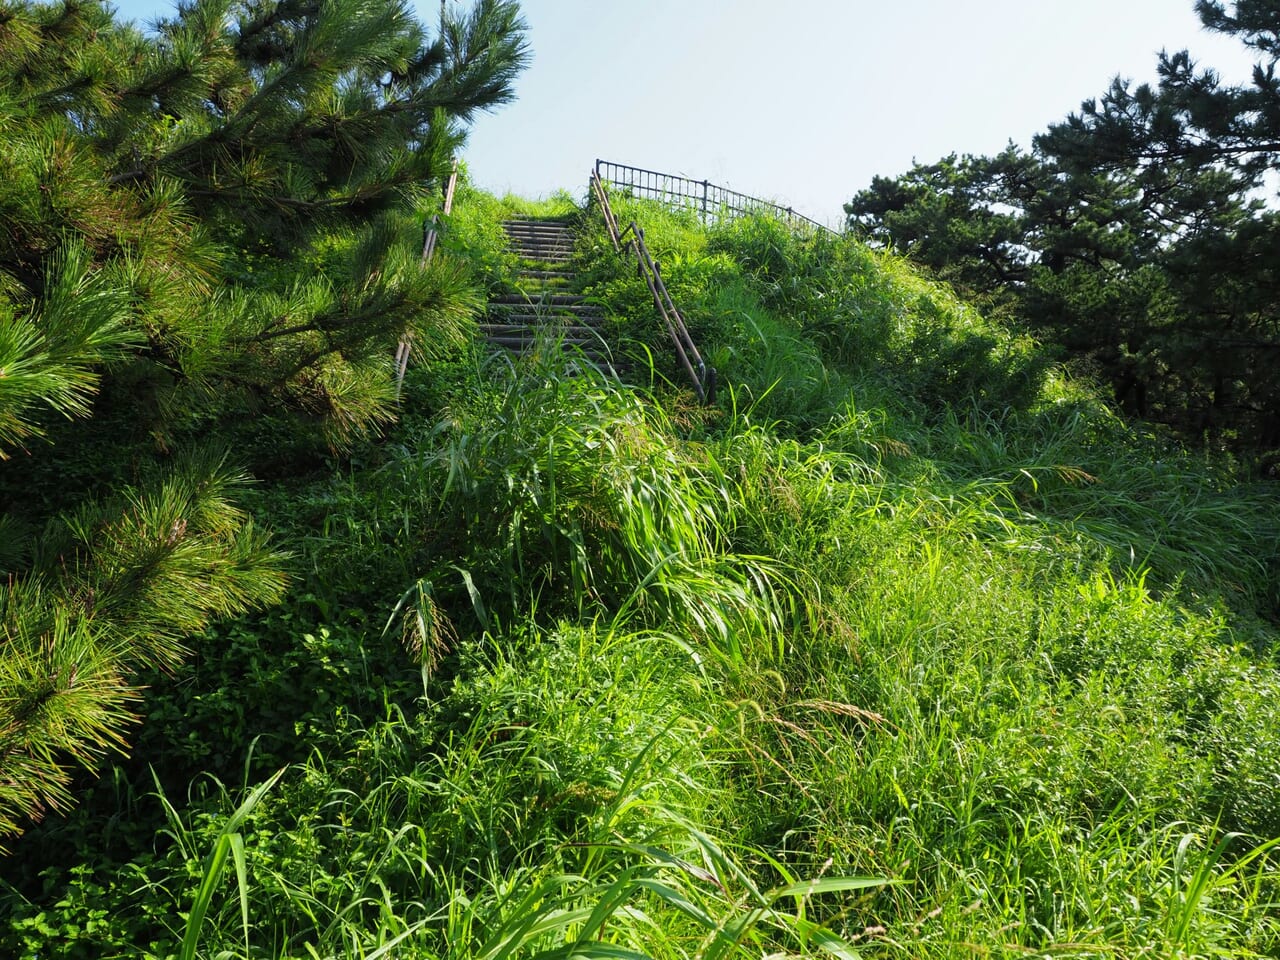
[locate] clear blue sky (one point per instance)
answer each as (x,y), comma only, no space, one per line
(803,101)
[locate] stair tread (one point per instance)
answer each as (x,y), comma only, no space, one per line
(543,303)
(535,305)
(543,320)
(587,309)
(557,299)
(540,323)
(538,332)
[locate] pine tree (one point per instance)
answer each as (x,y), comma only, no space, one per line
(1131,235)
(1208,145)
(1190,117)
(194,223)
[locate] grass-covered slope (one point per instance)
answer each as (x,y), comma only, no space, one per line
(571,669)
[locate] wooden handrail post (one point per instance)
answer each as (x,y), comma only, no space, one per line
(430,236)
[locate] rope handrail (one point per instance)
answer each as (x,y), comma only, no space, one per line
(430,236)
(702,376)
(710,201)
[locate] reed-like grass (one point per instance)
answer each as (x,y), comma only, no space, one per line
(908,650)
(545,808)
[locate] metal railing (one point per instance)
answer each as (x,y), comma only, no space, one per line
(708,200)
(430,236)
(702,376)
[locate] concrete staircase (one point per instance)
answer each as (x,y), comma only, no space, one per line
(546,299)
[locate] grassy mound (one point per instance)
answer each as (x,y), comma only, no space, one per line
(911,648)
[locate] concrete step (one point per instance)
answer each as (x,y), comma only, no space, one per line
(543,318)
(554,258)
(538,226)
(554,249)
(538,230)
(524,305)
(522,231)
(554,246)
(533,329)
(535,290)
(521,235)
(542,253)
(550,299)
(589,346)
(562,238)
(541,322)
(538,253)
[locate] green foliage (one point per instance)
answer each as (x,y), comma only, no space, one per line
(514,815)
(196,225)
(200,172)
(473,232)
(112,588)
(552,491)
(1132,236)
(787,319)
(51,357)
(913,606)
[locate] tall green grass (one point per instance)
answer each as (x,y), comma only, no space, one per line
(910,649)
(525,814)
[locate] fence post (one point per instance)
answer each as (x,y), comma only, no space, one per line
(704,201)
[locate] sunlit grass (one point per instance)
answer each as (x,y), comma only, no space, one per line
(910,649)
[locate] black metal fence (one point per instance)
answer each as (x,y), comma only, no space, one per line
(707,200)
